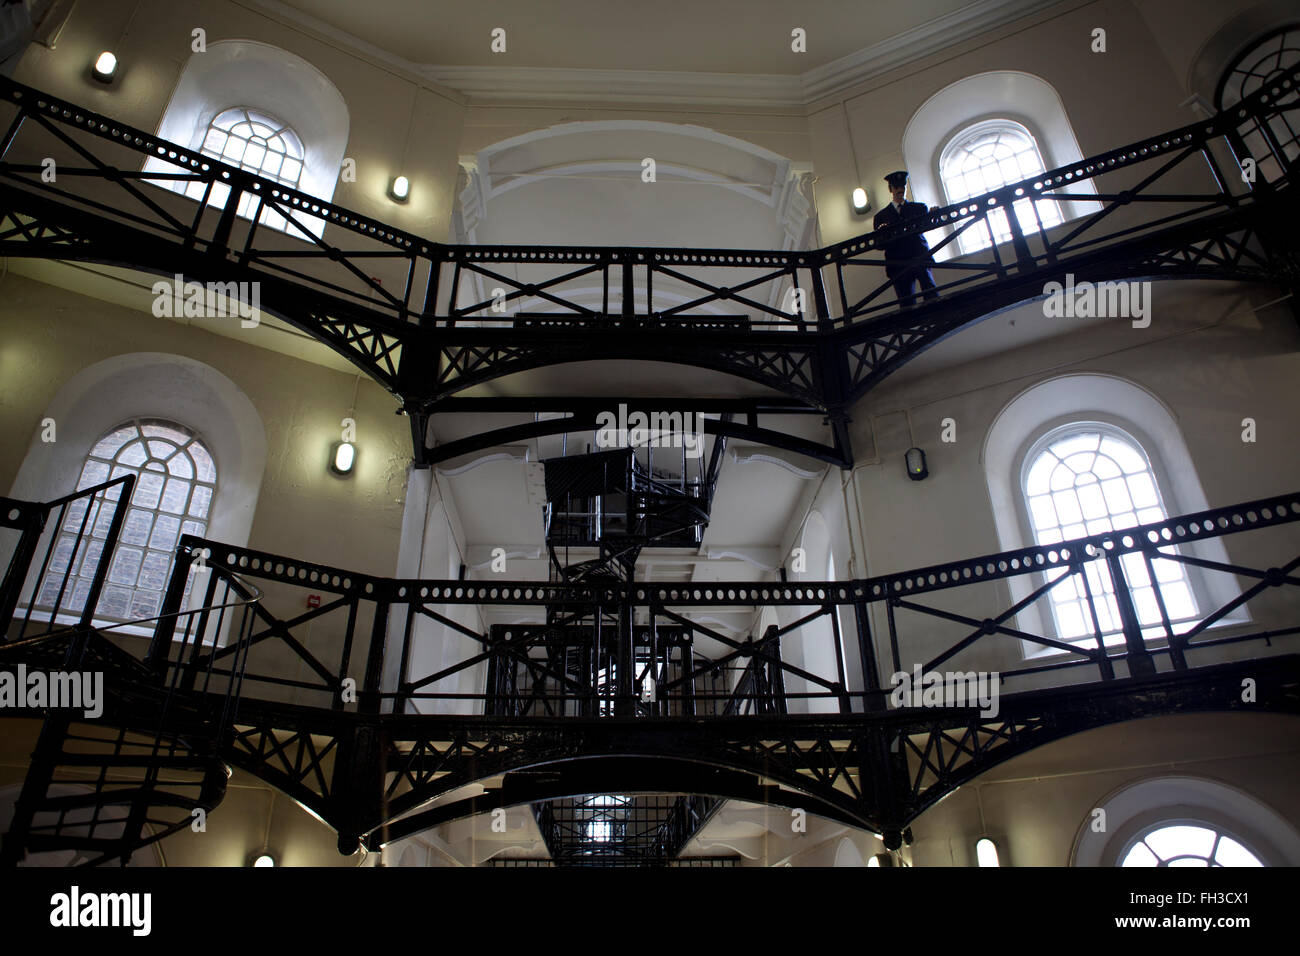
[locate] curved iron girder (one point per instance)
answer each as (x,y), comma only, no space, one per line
(369,340)
(785,362)
(432,763)
(622,775)
(957,749)
(586,421)
(1198,250)
(853,763)
(417,364)
(880,771)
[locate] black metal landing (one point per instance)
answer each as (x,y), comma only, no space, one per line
(821,732)
(819,327)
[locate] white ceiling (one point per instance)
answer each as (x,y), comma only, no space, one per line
(721,37)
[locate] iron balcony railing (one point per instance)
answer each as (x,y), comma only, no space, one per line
(405,278)
(357,645)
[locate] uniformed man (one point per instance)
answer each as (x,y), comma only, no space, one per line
(907,258)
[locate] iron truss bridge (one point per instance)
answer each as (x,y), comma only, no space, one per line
(330,703)
(819,327)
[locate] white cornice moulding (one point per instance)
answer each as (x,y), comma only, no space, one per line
(484,84)
(914,44)
(491,84)
(323,31)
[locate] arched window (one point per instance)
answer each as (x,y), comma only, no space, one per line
(264,109)
(988,156)
(1189,821)
(1186,844)
(1256,66)
(253,140)
(176,480)
(1089,479)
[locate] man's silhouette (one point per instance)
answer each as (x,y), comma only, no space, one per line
(907,258)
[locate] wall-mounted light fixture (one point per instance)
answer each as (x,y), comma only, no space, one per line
(104,67)
(343,457)
(861,201)
(915,459)
(986,852)
(399,190)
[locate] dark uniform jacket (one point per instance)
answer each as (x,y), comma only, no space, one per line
(905,247)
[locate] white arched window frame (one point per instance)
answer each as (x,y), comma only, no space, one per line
(145,386)
(1186,843)
(1145,806)
(1093,397)
(988,156)
(1002,95)
(1089,478)
(176,481)
(1261,64)
(273,83)
(258,142)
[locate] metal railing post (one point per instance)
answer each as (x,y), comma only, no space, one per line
(1139,659)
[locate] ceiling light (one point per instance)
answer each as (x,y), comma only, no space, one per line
(343,458)
(263,859)
(104,68)
(400,189)
(860,201)
(986,852)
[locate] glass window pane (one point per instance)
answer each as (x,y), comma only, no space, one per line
(62,555)
(87,561)
(1067,506)
(1170,842)
(165,531)
(1092,501)
(136,528)
(148,490)
(199,502)
(1040,507)
(1036,482)
(1140,856)
(207,470)
(93,473)
(1143,490)
(1232,853)
(153,571)
(145,604)
(114,602)
(133,455)
(180,466)
(175,496)
(126,566)
(110,444)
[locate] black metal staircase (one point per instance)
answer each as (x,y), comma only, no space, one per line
(147,761)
